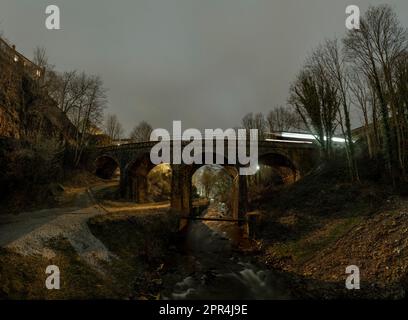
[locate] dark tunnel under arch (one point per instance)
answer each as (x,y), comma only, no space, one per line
(106,167)
(282,164)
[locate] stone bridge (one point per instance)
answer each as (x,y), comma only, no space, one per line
(134,163)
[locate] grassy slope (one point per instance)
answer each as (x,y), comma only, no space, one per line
(23,277)
(140,243)
(321,224)
(137,241)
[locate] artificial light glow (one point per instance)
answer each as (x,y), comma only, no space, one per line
(338,140)
(288,141)
(297,135)
(309,136)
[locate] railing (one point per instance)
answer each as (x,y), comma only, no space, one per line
(10,53)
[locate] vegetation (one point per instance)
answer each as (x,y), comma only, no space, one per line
(212,181)
(159,183)
(141,132)
(113,128)
(80,281)
(367,72)
(299,226)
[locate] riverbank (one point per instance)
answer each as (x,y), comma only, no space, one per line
(99,256)
(317,227)
(308,233)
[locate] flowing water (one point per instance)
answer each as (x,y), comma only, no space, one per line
(205,265)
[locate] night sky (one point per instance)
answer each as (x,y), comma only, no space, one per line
(205,62)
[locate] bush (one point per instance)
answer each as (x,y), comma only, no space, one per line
(25,167)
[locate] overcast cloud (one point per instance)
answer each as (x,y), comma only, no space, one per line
(205,62)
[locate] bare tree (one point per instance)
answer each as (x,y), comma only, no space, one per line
(316,101)
(87,112)
(329,59)
(113,128)
(67,90)
(363,99)
(40,57)
(49,76)
(141,132)
(213,181)
(284,119)
(257,121)
(375,49)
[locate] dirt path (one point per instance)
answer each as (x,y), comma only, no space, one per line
(26,233)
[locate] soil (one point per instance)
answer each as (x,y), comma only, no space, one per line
(315,229)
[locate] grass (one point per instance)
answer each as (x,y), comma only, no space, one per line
(23,277)
(302,249)
(314,213)
(139,243)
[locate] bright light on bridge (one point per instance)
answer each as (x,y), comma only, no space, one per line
(308,136)
(341,140)
(290,141)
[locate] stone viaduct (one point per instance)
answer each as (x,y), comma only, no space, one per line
(134,163)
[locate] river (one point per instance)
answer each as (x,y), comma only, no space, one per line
(205,264)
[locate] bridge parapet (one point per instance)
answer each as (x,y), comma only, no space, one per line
(302,155)
(262,143)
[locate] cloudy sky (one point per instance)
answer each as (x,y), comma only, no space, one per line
(205,62)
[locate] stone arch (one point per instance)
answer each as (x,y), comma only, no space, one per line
(136,177)
(106,166)
(287,167)
(159,182)
(234,196)
(135,164)
(229,170)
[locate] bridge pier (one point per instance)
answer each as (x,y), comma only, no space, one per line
(124,183)
(239,198)
(181,191)
(139,189)
(135,164)
(133,183)
(242,197)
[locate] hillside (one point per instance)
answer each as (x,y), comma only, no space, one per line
(34,134)
(317,227)
(25,108)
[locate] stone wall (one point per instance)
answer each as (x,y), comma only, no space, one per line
(26,109)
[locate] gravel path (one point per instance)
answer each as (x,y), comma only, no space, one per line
(26,233)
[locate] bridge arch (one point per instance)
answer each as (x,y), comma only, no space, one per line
(138,180)
(136,172)
(135,165)
(106,167)
(159,183)
(216,177)
(282,163)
